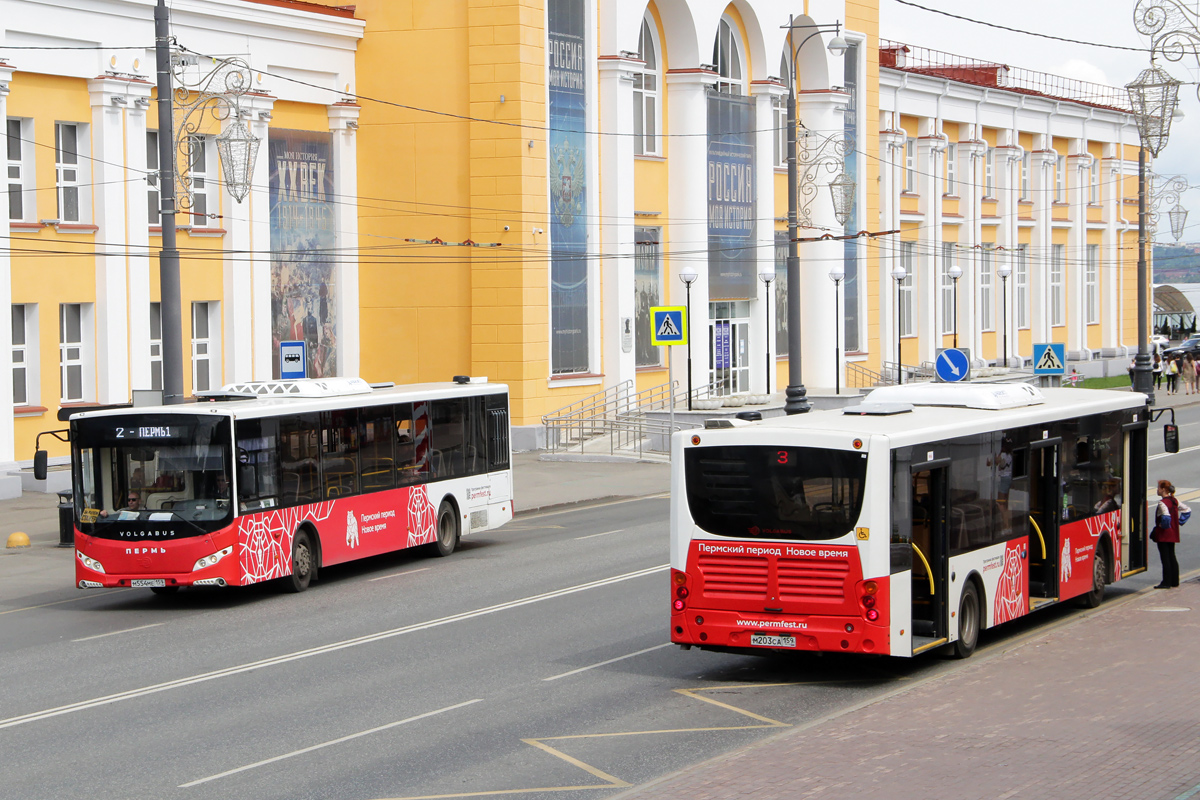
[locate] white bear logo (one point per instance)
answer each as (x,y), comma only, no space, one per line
(351,530)
(1064,573)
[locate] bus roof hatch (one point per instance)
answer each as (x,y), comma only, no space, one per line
(988,396)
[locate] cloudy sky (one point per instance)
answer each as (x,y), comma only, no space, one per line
(1102,21)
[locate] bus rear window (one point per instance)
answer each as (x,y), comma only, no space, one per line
(805,493)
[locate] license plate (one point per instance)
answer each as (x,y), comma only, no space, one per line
(766,640)
(147,583)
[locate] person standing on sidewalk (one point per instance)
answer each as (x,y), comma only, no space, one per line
(1166,534)
(1187,373)
(1158,371)
(1172,370)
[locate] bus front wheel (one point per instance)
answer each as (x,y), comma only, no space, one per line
(447,530)
(303,561)
(1099,578)
(968,622)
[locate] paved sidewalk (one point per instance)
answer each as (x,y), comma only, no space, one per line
(538,485)
(1103,707)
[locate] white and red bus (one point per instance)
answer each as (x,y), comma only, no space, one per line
(278,479)
(907,523)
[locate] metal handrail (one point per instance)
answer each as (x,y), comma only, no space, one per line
(860,377)
(628,434)
(613,395)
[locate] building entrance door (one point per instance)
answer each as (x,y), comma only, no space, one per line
(729,347)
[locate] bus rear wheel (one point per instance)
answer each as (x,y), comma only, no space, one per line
(1099,578)
(447,530)
(303,561)
(968,622)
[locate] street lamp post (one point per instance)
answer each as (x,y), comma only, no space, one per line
(955,273)
(1153,95)
(797,402)
(766,276)
(836,273)
(1004,269)
(899,273)
(688,275)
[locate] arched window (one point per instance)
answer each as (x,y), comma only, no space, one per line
(646,108)
(779,110)
(727,58)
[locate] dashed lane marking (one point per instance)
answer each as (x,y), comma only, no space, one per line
(114,633)
(606,663)
(398,574)
(60,602)
(594,535)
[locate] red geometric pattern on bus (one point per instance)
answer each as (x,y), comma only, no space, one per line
(265,540)
(422,517)
(1107,524)
(1010,601)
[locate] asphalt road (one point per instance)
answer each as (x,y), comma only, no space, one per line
(532,660)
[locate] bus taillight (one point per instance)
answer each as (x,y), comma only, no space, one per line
(679,595)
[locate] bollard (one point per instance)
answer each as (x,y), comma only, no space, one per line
(17,539)
(66,520)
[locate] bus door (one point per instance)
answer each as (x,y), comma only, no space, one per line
(1133,501)
(1045,513)
(930,534)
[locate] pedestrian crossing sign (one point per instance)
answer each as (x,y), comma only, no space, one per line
(1049,359)
(668,325)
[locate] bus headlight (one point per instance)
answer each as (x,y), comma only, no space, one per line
(208,561)
(89,562)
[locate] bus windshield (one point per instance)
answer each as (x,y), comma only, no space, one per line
(804,493)
(160,472)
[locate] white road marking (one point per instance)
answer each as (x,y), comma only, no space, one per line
(593,535)
(397,574)
(610,661)
(330,743)
(1181,452)
(114,633)
(60,602)
(286,658)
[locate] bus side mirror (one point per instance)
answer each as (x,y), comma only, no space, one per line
(1171,438)
(40,460)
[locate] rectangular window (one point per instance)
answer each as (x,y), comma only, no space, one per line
(412,443)
(201,348)
(647,292)
(908,260)
(70,352)
(779,115)
(20,357)
(948,254)
(989,181)
(339,453)
(987,300)
(1022,285)
(1060,180)
(156,367)
(299,452)
(1058,279)
(377,461)
(152,202)
(1092,284)
(951,169)
(66,166)
(201,187)
(1025,177)
(1094,194)
(910,157)
(16,152)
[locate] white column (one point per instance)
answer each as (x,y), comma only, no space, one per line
(1008,190)
(762,315)
(823,111)
(1077,194)
(109,99)
(618,353)
(1041,187)
(1111,255)
(891,146)
(687,112)
(970,334)
(343,122)
(930,181)
(248,346)
(7,431)
(142,259)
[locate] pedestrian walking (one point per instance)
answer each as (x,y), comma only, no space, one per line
(1172,370)
(1158,371)
(1187,373)
(1166,534)
(1196,376)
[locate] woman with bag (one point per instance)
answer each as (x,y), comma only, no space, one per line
(1166,533)
(1172,370)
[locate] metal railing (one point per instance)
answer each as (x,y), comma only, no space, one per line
(860,377)
(935,63)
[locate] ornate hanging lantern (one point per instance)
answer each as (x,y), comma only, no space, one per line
(237,148)
(842,188)
(1178,218)
(1153,95)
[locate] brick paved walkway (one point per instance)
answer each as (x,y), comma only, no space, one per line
(1108,707)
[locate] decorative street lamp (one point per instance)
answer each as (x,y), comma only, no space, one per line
(1004,269)
(836,273)
(1152,95)
(842,189)
(796,402)
(955,273)
(1178,217)
(899,273)
(688,275)
(766,276)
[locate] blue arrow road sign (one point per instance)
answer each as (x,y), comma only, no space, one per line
(952,365)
